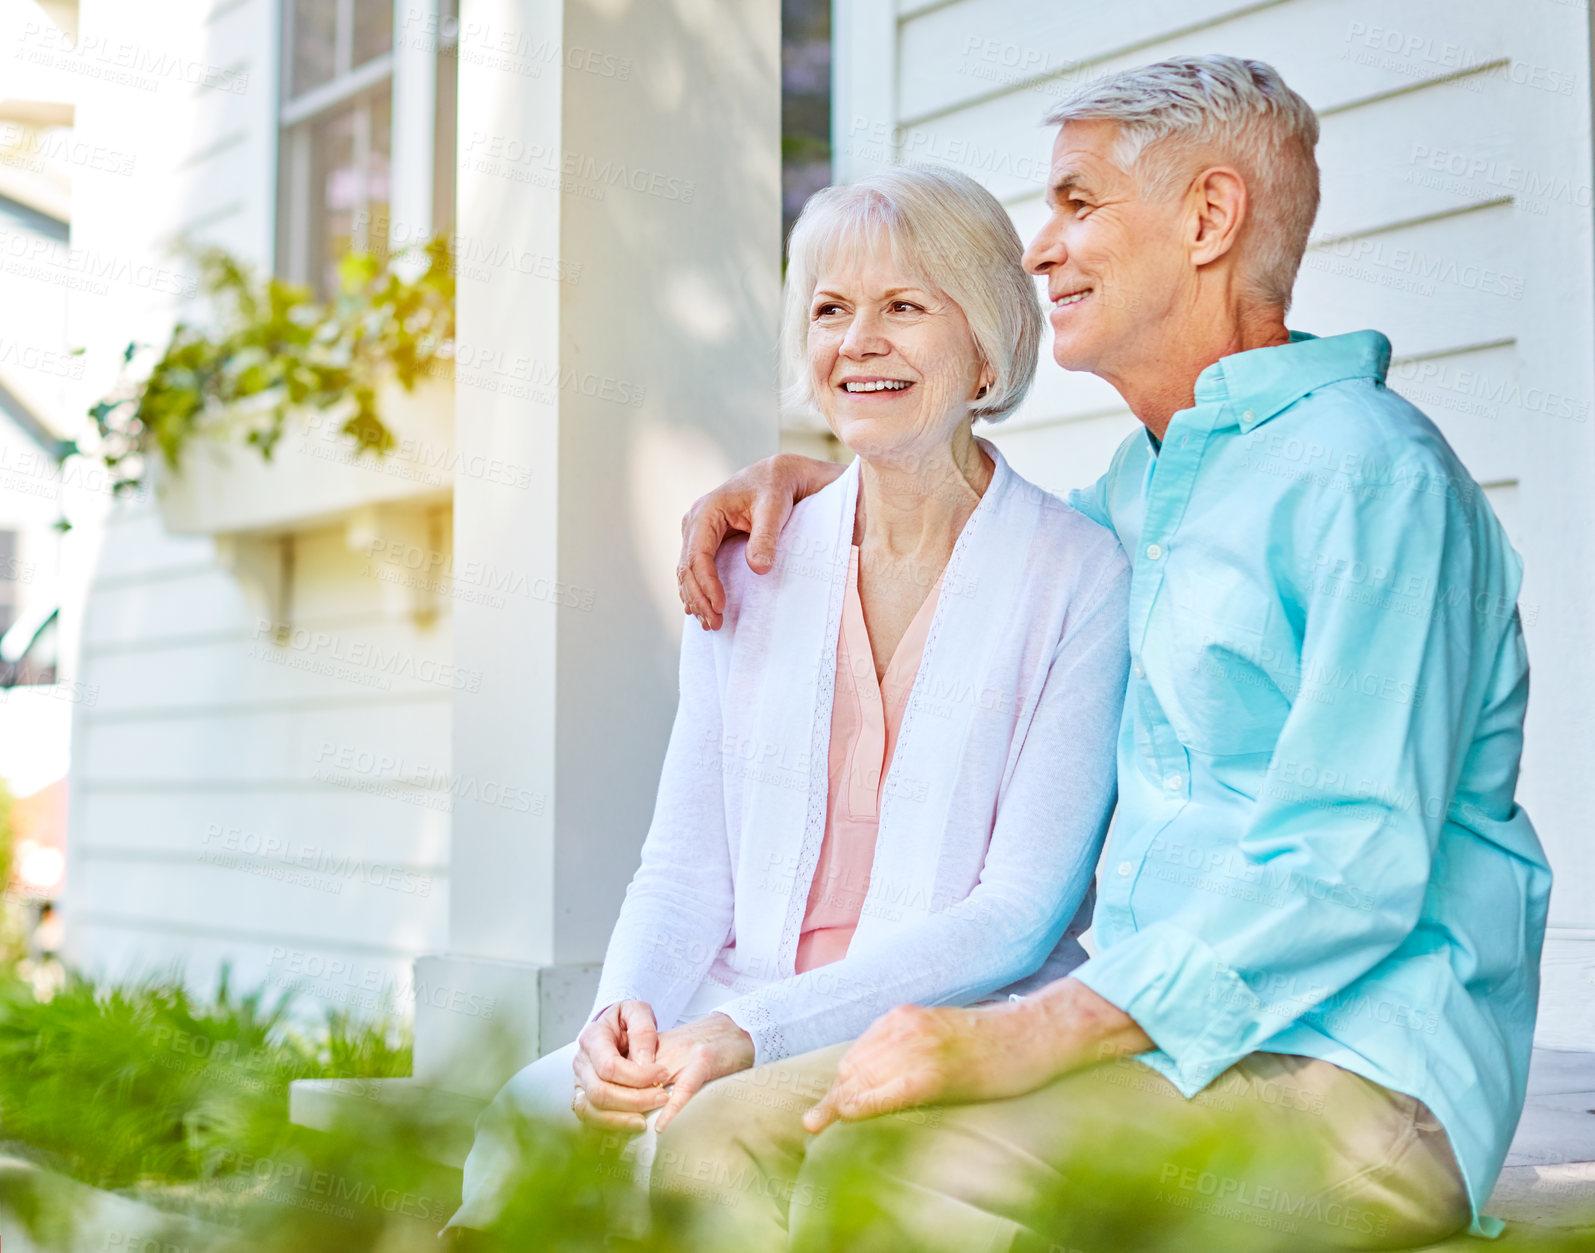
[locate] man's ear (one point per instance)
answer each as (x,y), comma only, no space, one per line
(1220,204)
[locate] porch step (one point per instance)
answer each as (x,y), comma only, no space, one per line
(1546,1194)
(448,1118)
(84,1217)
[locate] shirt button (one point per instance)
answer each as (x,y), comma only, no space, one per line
(1247,416)
(1140,672)
(1174,782)
(1154,551)
(1125,869)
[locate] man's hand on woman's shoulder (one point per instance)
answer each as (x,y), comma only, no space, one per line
(757,502)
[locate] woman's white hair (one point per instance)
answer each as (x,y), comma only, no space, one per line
(947,231)
(1239,111)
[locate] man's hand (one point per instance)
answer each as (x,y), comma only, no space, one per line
(757,500)
(696,1053)
(618,1078)
(916,1056)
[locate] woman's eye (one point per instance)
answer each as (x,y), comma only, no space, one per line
(902,305)
(822,311)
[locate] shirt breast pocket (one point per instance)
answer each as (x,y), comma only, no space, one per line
(1231,672)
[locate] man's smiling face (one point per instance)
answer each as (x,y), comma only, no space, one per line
(1117,274)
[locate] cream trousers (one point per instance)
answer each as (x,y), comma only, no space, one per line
(1280,1152)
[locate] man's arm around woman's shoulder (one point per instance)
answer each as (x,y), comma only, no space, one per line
(756,501)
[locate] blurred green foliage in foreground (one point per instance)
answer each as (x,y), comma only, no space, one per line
(181,1106)
(121,1086)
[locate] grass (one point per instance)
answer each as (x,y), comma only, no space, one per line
(182,1104)
(125,1085)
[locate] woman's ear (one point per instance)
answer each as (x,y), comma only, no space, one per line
(985,382)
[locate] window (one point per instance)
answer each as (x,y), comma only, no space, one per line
(347,181)
(35,651)
(445,135)
(805,105)
(337,141)
(9,578)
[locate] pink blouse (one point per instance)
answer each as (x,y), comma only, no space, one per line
(864,724)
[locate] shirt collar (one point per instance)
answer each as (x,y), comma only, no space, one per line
(1265,381)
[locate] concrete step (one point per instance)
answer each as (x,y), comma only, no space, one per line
(83,1217)
(449,1118)
(1547,1196)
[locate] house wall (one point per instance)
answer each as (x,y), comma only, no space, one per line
(263,778)
(1456,157)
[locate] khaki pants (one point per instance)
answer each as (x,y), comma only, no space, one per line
(1280,1152)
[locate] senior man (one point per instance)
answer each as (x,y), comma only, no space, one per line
(1321,910)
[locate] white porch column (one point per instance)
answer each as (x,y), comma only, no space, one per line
(619,272)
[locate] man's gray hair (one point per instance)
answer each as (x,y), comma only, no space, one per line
(949,232)
(1225,109)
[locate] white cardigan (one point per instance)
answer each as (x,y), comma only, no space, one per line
(992,815)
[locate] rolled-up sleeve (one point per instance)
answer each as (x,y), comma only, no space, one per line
(1330,871)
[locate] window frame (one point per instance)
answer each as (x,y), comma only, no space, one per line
(299,224)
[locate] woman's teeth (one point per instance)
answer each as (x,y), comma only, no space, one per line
(1070,300)
(883,386)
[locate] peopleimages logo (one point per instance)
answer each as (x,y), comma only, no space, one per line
(272,856)
(119,62)
(292,1182)
(521,161)
(25,147)
(363,769)
(360,660)
(347,981)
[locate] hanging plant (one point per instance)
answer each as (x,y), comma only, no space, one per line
(272,347)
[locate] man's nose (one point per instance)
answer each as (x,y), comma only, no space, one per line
(1045,252)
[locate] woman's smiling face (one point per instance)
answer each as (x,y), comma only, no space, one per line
(893,362)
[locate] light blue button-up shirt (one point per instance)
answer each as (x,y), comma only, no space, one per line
(1317,850)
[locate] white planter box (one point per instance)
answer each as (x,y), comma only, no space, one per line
(315,474)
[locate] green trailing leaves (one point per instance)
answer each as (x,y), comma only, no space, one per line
(270,347)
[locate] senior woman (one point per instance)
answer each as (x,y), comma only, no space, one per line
(892,769)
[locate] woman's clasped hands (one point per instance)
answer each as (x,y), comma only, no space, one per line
(626,1068)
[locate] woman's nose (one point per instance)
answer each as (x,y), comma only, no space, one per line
(864,338)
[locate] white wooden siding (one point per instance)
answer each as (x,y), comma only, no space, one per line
(211,821)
